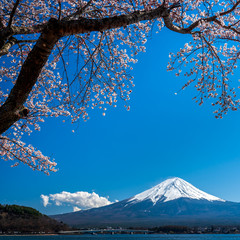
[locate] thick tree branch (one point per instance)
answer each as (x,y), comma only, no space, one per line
(7,32)
(4,50)
(85,25)
(11,42)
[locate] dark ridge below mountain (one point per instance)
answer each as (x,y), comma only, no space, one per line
(20,219)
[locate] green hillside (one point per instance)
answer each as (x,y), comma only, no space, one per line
(20,219)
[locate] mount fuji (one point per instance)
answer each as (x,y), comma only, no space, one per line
(171,189)
(172,202)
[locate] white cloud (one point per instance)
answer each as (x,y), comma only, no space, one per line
(78,200)
(45,200)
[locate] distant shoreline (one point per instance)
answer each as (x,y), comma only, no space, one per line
(55,234)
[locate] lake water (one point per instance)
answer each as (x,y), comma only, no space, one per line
(128,237)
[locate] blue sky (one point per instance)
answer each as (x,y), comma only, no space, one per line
(126,152)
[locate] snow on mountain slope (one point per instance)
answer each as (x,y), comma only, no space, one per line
(172,189)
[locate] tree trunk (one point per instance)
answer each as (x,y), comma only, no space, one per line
(13,109)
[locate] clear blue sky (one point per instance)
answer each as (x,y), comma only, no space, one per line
(124,153)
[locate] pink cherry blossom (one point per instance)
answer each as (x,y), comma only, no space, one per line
(83,53)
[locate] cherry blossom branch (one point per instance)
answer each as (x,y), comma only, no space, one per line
(226,27)
(189,29)
(12,149)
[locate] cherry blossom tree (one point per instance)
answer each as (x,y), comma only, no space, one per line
(41,40)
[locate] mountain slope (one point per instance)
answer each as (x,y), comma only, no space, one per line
(173,201)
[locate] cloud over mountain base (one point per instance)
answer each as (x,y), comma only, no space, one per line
(78,200)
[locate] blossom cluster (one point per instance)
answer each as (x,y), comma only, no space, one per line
(92,70)
(211,57)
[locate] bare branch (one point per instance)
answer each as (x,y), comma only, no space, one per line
(79,11)
(13,13)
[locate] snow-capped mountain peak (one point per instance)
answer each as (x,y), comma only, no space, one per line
(172,189)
